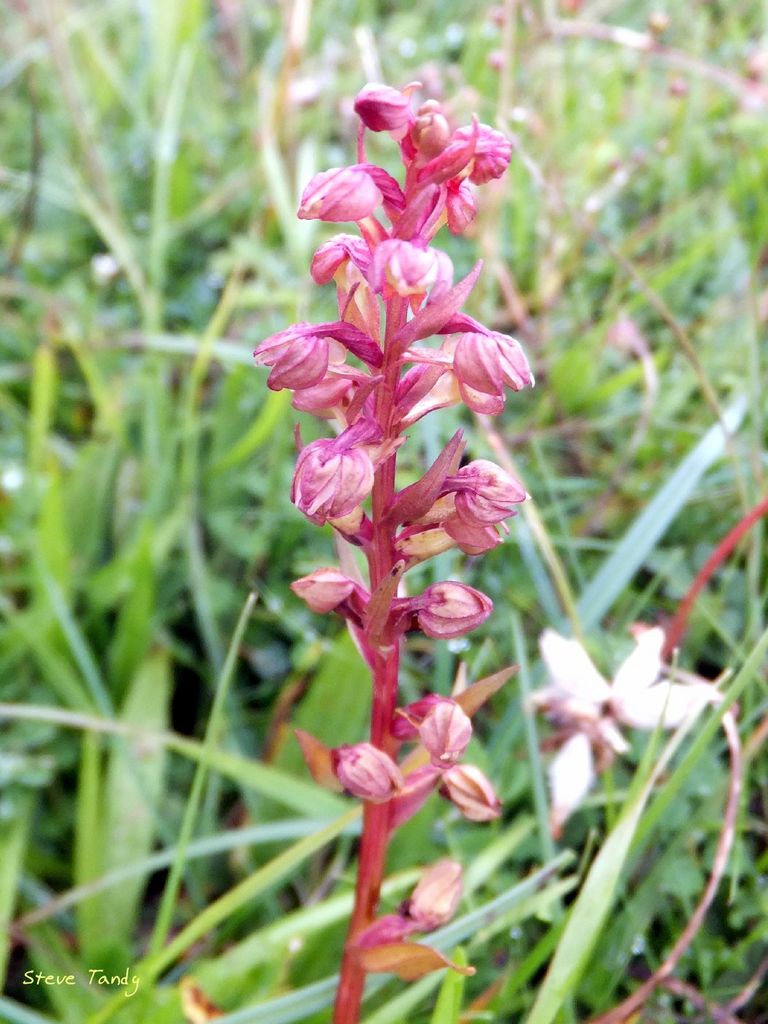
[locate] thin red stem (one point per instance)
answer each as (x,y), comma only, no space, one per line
(375,835)
(679,624)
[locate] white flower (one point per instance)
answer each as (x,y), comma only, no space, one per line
(571,775)
(588,709)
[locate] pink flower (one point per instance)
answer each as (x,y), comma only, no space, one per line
(367,772)
(431,132)
(335,253)
(297,355)
(449,609)
(460,207)
(406,722)
(382,108)
(339,194)
(471,538)
(493,152)
(323,589)
(445,732)
(485,493)
(332,391)
(410,269)
(468,788)
(434,900)
(484,364)
(331,480)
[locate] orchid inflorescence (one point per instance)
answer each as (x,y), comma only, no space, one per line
(368,373)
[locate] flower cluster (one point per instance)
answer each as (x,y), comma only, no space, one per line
(588,711)
(337,370)
(373,373)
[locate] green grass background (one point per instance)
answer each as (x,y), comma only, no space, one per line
(152,156)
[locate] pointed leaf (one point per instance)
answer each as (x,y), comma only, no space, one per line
(356,341)
(453,159)
(377,610)
(408,960)
(473,698)
(415,501)
(462,323)
(319,761)
(436,314)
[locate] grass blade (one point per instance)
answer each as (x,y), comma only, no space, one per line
(13,842)
(303,797)
(629,554)
(165,912)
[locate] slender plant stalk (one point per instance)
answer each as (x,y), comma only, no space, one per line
(679,624)
(375,836)
(391,273)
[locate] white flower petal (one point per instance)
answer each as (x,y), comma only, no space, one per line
(610,734)
(571,774)
(641,669)
(666,703)
(571,668)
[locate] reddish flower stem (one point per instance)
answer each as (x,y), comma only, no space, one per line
(679,624)
(381,558)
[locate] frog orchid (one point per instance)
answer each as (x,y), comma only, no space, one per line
(587,710)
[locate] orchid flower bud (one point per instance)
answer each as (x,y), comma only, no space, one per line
(329,483)
(382,108)
(484,364)
(436,897)
(323,589)
(493,152)
(468,788)
(339,194)
(485,493)
(471,539)
(449,609)
(406,721)
(324,397)
(431,132)
(297,355)
(410,269)
(335,253)
(445,732)
(460,206)
(367,772)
